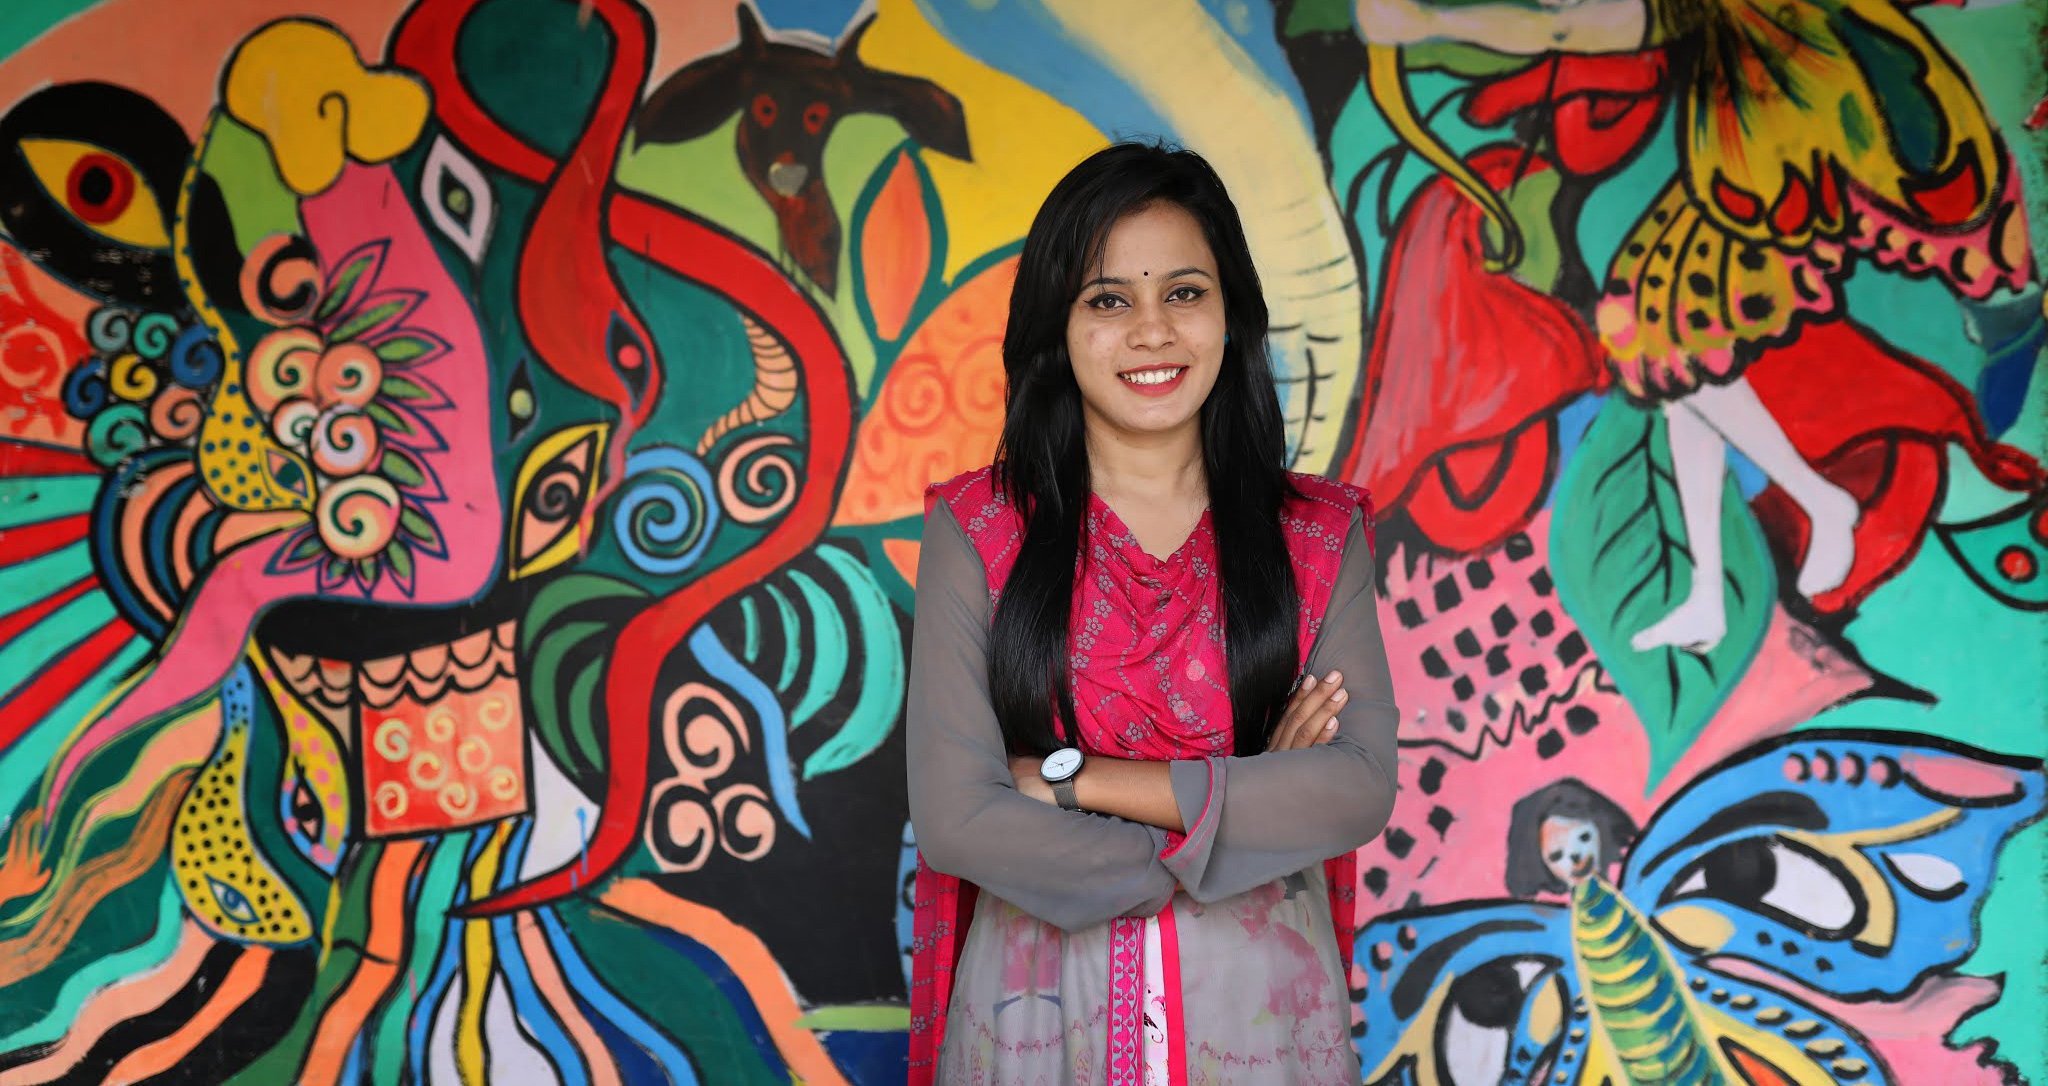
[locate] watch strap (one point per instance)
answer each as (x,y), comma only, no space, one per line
(1063,791)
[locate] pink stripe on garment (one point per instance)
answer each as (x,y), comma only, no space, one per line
(1176,1013)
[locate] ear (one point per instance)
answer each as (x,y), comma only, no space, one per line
(695,100)
(752,39)
(848,53)
(932,116)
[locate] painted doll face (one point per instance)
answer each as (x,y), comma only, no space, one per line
(1571,848)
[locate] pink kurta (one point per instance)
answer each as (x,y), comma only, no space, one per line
(1239,926)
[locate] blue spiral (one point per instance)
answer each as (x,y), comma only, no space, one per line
(195,358)
(85,391)
(666,513)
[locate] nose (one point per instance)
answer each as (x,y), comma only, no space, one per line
(1150,329)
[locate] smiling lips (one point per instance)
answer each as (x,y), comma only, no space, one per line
(1154,380)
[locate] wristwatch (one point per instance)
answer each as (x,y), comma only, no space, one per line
(1059,770)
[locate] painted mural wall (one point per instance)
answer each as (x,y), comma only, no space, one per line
(461,471)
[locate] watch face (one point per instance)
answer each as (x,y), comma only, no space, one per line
(1061,764)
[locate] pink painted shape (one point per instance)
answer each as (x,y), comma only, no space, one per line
(367,201)
(1486,768)
(1907,1034)
(1794,676)
(1962,777)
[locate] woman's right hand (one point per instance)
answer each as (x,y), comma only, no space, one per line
(1311,714)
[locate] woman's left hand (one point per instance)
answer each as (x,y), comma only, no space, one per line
(1025,768)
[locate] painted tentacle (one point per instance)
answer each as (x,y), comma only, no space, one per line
(775,384)
(750,279)
(1390,93)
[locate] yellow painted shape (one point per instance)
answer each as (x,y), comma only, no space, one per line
(478,960)
(132,379)
(1704,930)
(228,886)
(247,481)
(300,85)
(532,472)
(1023,140)
(313,746)
(140,223)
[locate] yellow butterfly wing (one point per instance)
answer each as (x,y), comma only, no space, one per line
(1785,100)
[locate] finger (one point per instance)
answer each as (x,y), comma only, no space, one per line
(1287,732)
(1313,701)
(1316,722)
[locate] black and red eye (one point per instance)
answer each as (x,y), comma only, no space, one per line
(815,117)
(764,110)
(99,188)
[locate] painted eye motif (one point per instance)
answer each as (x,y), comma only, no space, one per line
(1776,878)
(233,903)
(99,188)
(459,200)
(764,110)
(816,116)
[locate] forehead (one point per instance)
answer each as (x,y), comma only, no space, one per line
(1157,238)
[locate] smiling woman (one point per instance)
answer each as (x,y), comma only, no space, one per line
(1117,760)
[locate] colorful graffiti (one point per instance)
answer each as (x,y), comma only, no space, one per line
(461,469)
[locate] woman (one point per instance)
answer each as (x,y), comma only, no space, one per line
(1135,822)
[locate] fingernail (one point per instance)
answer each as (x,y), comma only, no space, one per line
(1331,726)
(1340,695)
(1334,676)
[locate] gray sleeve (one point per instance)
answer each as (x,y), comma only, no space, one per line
(1253,820)
(1068,868)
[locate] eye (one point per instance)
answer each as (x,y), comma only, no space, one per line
(1485,1010)
(458,200)
(233,903)
(101,189)
(1105,301)
(307,814)
(816,116)
(764,110)
(1185,293)
(1556,855)
(1775,878)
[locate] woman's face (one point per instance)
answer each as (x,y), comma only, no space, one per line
(1146,332)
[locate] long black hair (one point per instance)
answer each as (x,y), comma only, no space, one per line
(1042,460)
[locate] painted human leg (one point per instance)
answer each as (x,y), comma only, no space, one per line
(1747,424)
(1699,461)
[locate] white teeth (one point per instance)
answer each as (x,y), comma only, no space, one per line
(1151,377)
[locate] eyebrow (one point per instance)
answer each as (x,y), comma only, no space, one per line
(1113,281)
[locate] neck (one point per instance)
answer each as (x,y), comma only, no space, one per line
(1149,467)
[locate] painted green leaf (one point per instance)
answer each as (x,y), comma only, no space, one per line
(392,422)
(372,317)
(308,548)
(880,702)
(564,647)
(400,560)
(399,468)
(409,347)
(1619,555)
(417,525)
(344,283)
(403,388)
